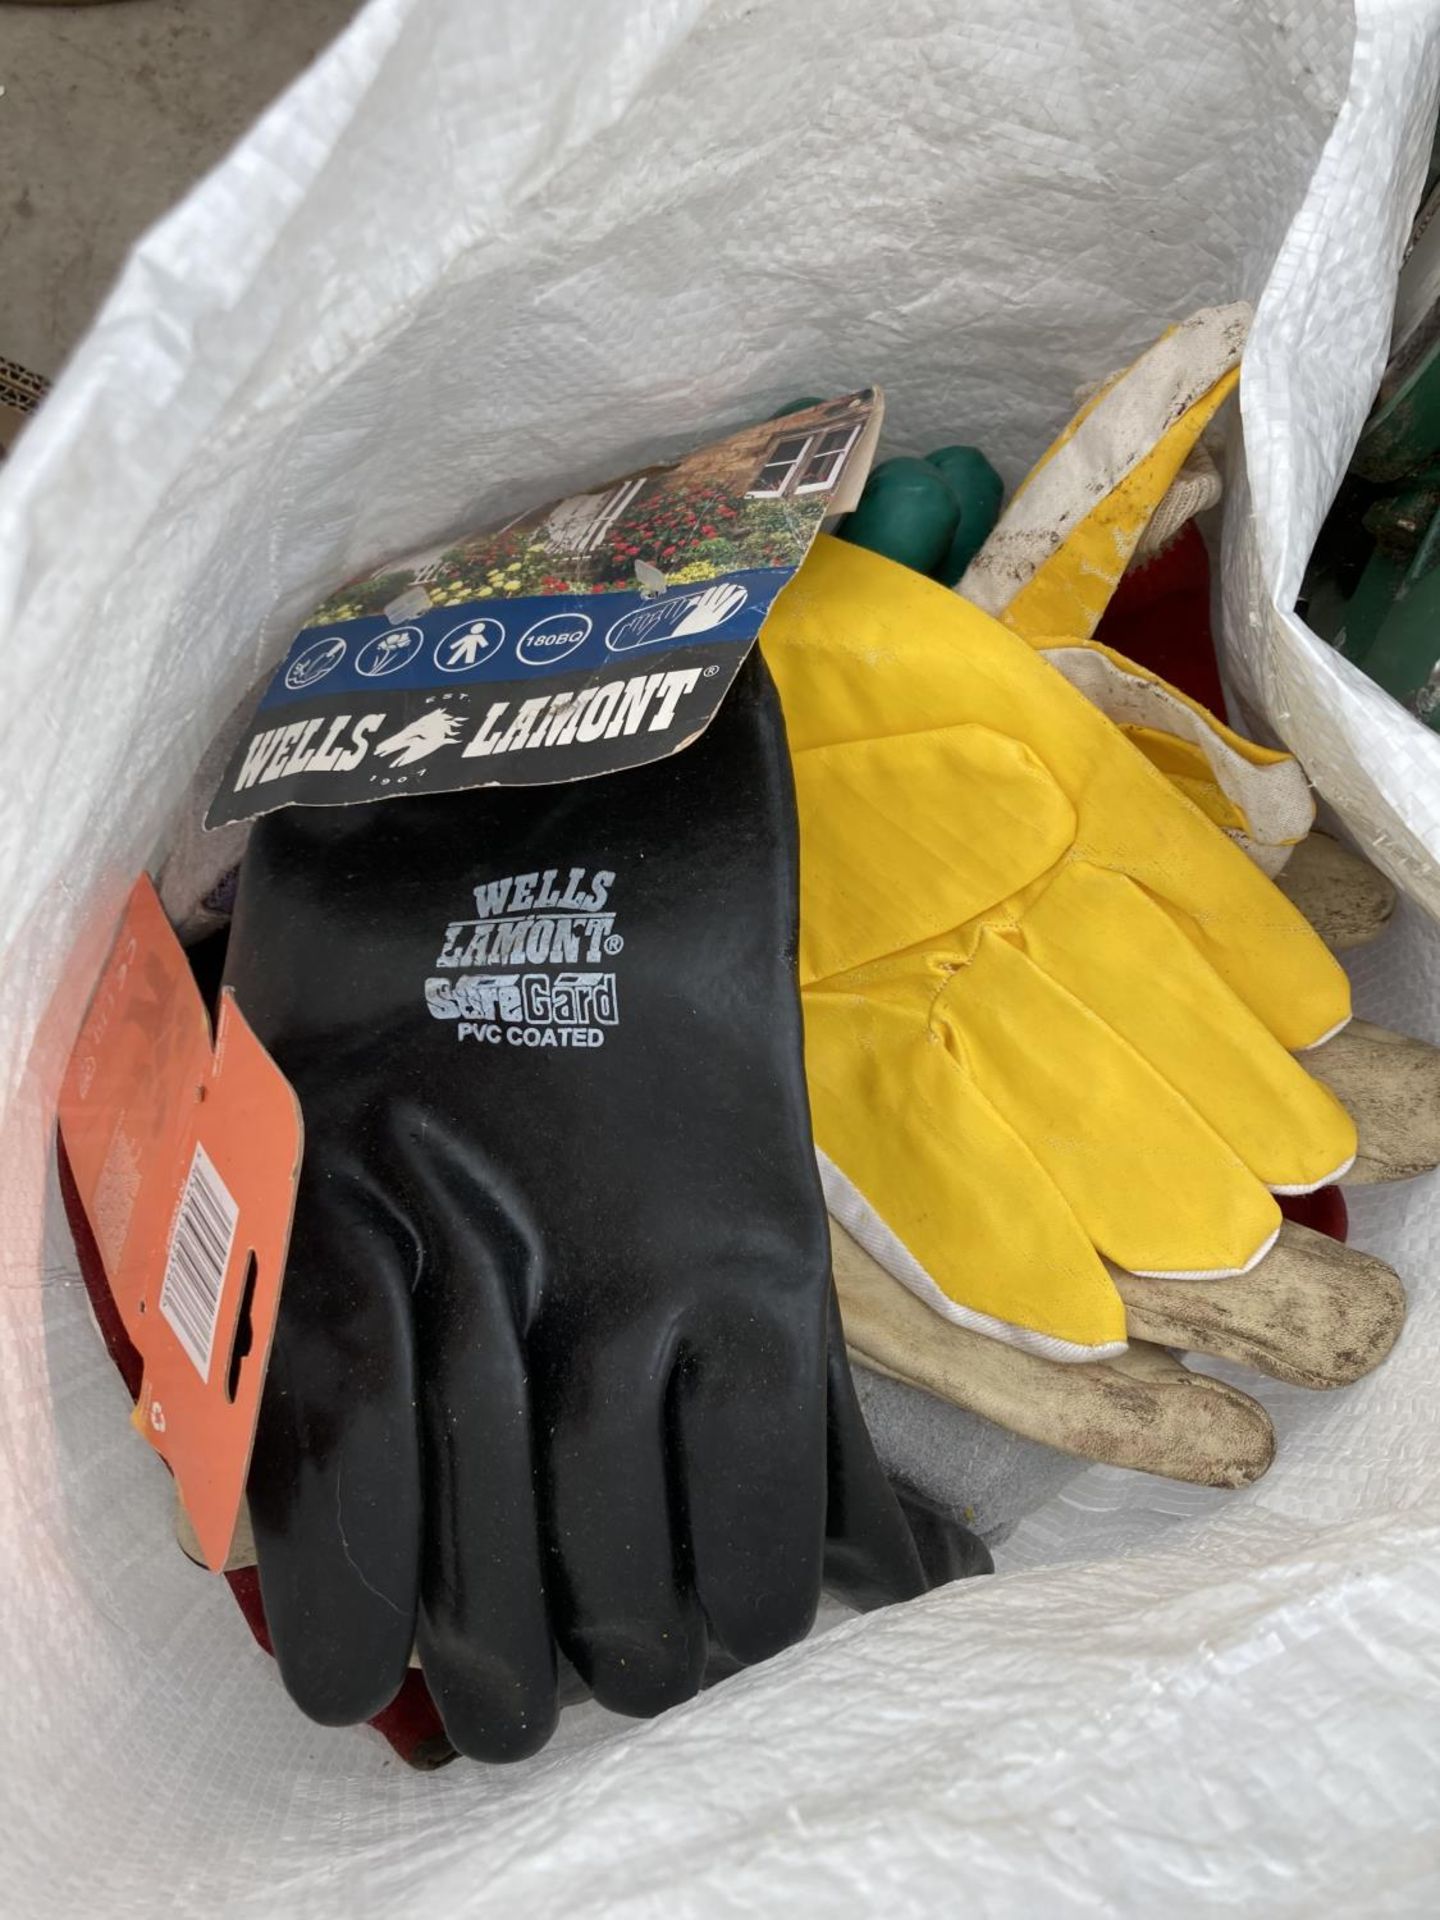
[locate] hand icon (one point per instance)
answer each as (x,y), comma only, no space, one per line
(712,608)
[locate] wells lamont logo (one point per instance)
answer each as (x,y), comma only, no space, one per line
(491,988)
(426,735)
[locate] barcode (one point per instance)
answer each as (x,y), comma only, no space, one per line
(199,1254)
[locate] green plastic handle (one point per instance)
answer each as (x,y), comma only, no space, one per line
(909,512)
(981,493)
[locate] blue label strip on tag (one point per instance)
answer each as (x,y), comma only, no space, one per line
(511,640)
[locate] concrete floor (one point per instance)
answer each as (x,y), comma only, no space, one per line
(107,115)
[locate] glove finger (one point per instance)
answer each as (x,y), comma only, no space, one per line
(1183,1425)
(982,1474)
(1259,796)
(1141,1409)
(622,1604)
(1117,950)
(484,1634)
(751,1452)
(334,1484)
(1314,1313)
(1153,1185)
(484,1637)
(1390,1084)
(878,1551)
(1347,901)
(894,1116)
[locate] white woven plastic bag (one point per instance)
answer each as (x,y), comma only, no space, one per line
(479,255)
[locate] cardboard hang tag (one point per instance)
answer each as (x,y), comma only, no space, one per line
(186,1159)
(596,633)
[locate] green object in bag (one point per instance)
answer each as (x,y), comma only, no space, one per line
(981,493)
(909,512)
(1372,588)
(933,514)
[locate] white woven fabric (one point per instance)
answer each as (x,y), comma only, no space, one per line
(477,257)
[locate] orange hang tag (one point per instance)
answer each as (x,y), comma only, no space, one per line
(186,1159)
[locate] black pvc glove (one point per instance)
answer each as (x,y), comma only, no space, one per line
(557,1358)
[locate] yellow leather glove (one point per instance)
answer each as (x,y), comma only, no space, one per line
(1052,563)
(1048,1005)
(1060,548)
